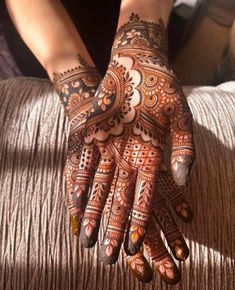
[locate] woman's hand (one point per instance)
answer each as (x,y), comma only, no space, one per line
(76,89)
(137,105)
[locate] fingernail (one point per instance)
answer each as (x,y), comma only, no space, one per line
(140,267)
(180,168)
(89,232)
(180,249)
(75,224)
(134,240)
(168,271)
(109,251)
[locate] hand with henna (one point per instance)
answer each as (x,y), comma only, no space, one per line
(76,88)
(161,220)
(138,104)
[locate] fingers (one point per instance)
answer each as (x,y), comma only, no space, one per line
(88,162)
(174,193)
(142,208)
(99,193)
(172,234)
(163,262)
(181,123)
(119,213)
(70,173)
(140,267)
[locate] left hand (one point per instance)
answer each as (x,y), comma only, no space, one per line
(137,105)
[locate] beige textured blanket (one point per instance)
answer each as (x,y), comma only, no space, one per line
(37,250)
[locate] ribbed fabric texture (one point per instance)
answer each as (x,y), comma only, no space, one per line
(37,249)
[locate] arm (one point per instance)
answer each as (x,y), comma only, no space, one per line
(149,10)
(48,31)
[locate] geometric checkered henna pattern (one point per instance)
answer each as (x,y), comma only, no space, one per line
(76,88)
(138,104)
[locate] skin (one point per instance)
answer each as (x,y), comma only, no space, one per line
(44,25)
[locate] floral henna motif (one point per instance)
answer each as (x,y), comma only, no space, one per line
(162,260)
(140,267)
(76,88)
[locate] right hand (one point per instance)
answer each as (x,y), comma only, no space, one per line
(161,220)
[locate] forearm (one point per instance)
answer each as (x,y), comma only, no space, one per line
(48,31)
(148,10)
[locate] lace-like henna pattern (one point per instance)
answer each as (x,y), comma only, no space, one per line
(76,88)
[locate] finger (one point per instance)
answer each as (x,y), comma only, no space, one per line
(181,123)
(70,173)
(174,193)
(99,193)
(140,267)
(142,208)
(89,159)
(172,234)
(163,262)
(110,198)
(119,214)
(137,263)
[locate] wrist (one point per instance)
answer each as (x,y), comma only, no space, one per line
(148,10)
(138,36)
(76,86)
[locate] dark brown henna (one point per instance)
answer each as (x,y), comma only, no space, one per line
(174,193)
(76,88)
(162,260)
(140,267)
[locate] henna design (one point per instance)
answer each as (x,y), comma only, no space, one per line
(76,88)
(162,260)
(138,263)
(138,104)
(99,192)
(140,267)
(168,187)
